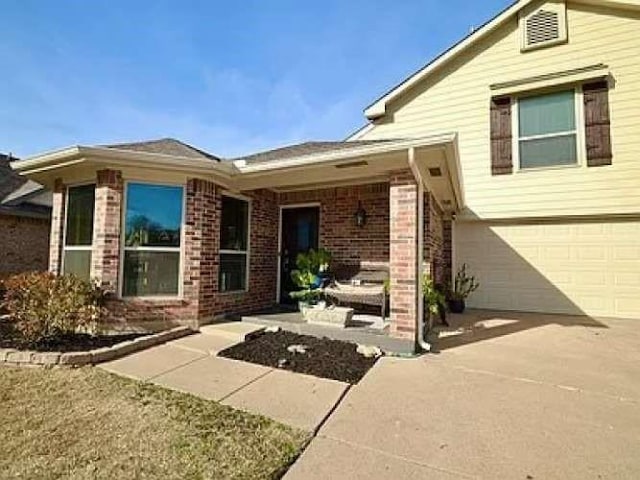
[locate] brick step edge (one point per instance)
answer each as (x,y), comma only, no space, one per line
(12,357)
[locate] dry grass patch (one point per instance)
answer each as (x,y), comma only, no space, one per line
(86,423)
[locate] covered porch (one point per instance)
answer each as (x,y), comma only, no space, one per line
(225,252)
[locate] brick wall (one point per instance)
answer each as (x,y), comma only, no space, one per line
(447,250)
(58,205)
(339,233)
(201,300)
(263,258)
(403,237)
(201,238)
(434,239)
(24,244)
(105,255)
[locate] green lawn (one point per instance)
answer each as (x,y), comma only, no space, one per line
(86,423)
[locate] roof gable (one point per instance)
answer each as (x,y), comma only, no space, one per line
(165,146)
(379,108)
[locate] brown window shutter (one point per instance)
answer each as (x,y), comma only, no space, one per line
(597,123)
(501,135)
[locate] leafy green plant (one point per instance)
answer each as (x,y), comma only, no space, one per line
(42,306)
(309,266)
(463,285)
(434,299)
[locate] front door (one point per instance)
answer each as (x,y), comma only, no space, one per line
(299,234)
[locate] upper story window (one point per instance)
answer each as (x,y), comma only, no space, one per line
(566,127)
(547,130)
(234,244)
(152,240)
(79,231)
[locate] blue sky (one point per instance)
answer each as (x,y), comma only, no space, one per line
(230,77)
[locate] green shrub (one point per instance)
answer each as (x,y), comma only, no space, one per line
(43,306)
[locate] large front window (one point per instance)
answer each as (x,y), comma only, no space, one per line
(547,130)
(234,244)
(152,239)
(79,231)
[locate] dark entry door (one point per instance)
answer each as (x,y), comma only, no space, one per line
(299,234)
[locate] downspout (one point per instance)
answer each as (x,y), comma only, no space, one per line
(421,343)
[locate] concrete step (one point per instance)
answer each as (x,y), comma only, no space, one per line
(238,331)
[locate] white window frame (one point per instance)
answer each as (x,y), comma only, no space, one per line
(124,248)
(77,248)
(579,130)
(246,252)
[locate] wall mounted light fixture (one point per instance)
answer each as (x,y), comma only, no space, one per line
(360,216)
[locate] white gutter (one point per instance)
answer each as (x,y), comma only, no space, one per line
(420,341)
(337,156)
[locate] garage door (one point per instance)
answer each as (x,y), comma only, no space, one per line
(588,268)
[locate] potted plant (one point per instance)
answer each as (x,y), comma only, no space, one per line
(463,286)
(309,277)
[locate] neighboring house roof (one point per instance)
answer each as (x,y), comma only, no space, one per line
(20,196)
(378,108)
(165,146)
(9,180)
(306,148)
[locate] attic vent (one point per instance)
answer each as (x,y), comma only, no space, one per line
(543,26)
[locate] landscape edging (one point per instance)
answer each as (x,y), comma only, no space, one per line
(13,357)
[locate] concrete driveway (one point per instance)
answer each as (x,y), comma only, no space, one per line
(510,396)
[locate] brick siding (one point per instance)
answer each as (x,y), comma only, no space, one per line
(58,205)
(389,236)
(434,239)
(105,254)
(24,244)
(348,243)
(403,239)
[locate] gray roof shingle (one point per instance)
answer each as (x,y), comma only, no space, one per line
(306,148)
(166,146)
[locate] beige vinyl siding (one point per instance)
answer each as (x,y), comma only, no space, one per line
(456,98)
(574,268)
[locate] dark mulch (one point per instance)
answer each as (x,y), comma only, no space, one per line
(324,357)
(77,342)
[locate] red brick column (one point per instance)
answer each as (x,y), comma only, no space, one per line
(57,226)
(403,239)
(105,255)
(201,237)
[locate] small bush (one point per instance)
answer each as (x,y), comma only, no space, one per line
(43,306)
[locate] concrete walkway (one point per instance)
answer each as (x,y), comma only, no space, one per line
(190,365)
(516,397)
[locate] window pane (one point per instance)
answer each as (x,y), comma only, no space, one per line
(151,273)
(80,207)
(233,272)
(544,114)
(78,263)
(544,152)
(154,215)
(235,224)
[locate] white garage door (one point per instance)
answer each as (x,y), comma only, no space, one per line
(588,268)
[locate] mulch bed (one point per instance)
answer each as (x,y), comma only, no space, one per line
(324,357)
(77,342)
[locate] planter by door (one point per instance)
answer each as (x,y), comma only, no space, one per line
(300,228)
(456,306)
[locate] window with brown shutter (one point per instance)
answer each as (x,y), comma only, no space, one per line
(597,123)
(501,136)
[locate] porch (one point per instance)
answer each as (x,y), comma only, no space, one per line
(364,329)
(179,239)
